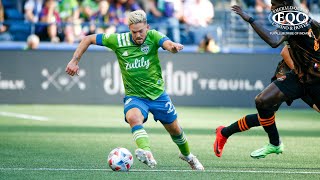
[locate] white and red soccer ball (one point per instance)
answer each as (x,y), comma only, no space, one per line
(120,159)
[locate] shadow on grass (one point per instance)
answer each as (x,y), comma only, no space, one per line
(160,130)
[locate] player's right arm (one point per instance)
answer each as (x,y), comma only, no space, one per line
(73,67)
(286,57)
(273,39)
(172,46)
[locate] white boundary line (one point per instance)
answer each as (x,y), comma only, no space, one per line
(24,116)
(283,171)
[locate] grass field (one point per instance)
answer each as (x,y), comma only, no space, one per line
(72,142)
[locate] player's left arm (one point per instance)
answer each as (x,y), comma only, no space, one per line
(172,46)
(272,38)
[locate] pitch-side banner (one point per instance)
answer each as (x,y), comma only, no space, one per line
(229,80)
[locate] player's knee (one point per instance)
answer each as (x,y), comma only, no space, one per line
(260,102)
(134,118)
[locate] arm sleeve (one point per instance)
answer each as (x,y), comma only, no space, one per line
(159,38)
(107,40)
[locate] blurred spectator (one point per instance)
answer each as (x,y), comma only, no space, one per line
(145,5)
(251,4)
(70,15)
(198,14)
(166,13)
(4,34)
(32,10)
(88,8)
(312,5)
(118,11)
(209,45)
(49,16)
(99,21)
(262,5)
(303,3)
(257,5)
(33,42)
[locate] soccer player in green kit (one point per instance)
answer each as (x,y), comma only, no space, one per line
(137,54)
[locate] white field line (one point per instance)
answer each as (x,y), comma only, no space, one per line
(24,116)
(284,171)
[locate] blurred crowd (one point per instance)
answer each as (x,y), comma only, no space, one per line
(70,20)
(262,5)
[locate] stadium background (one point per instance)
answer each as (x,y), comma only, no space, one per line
(53,126)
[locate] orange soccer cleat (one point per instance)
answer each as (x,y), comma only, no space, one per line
(219,142)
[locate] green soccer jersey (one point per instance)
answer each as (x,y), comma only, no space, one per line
(139,64)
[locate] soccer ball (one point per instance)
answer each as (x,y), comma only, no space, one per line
(120,159)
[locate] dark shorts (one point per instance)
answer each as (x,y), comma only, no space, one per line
(294,89)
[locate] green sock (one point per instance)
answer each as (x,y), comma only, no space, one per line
(182,143)
(141,137)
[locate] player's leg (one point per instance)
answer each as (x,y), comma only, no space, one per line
(180,139)
(164,111)
(265,104)
(136,112)
(284,89)
(265,101)
(223,133)
(248,121)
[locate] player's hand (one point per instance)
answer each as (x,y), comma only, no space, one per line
(238,10)
(72,67)
(176,47)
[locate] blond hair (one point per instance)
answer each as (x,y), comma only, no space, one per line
(138,16)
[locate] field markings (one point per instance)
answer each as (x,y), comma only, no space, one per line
(24,116)
(281,171)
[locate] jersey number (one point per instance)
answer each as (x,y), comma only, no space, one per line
(171,107)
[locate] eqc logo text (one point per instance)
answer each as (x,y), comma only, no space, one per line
(289,18)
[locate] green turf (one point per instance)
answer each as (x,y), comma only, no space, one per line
(75,141)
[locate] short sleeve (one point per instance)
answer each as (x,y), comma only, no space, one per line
(107,40)
(158,37)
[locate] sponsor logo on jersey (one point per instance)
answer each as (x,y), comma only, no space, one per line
(289,18)
(144,48)
(138,63)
